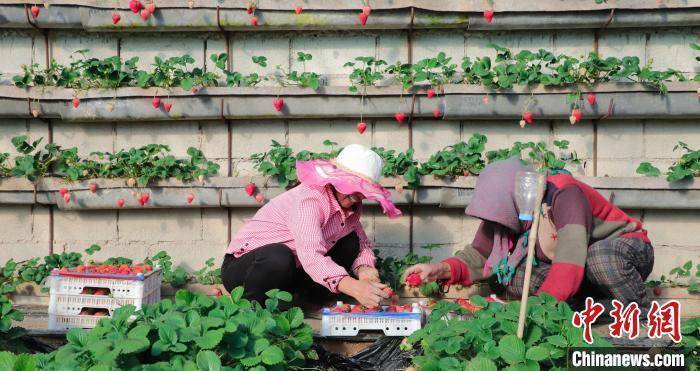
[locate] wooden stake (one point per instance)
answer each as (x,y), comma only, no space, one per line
(532,240)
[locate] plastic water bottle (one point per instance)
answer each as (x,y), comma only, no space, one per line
(525,193)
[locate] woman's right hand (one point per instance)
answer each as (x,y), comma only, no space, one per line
(367,293)
(429,272)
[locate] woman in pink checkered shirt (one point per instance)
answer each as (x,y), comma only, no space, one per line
(310,239)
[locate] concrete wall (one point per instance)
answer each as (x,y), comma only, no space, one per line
(192,236)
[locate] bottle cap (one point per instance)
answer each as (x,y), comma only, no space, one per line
(525,217)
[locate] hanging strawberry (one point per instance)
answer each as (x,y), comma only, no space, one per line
(527,116)
(190,198)
(35,11)
(488,14)
(297,10)
(156,102)
(250,189)
(145,14)
(400,117)
(591,98)
(254,21)
(116,18)
(76,102)
(278,104)
(135,6)
(431,93)
(361,127)
(120,203)
(522,123)
(168,106)
(437,112)
(363,18)
(366,10)
(151,8)
(575,116)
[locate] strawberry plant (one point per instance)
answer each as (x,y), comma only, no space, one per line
(33,163)
(458,159)
(537,154)
(192,332)
(437,71)
(280,161)
(403,73)
(208,275)
(302,79)
(399,164)
(364,73)
(488,341)
(236,78)
(5,171)
(543,67)
(391,270)
(687,167)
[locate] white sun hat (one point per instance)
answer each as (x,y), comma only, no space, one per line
(361,160)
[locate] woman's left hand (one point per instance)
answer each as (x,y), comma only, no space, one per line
(367,273)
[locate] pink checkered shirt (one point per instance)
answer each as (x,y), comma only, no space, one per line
(309,220)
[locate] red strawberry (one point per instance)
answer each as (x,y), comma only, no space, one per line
(414,279)
(400,117)
(76,102)
(148,267)
(392,308)
(250,10)
(194,90)
(217,292)
(36,112)
(466,173)
(92,187)
(485,99)
(35,11)
(431,93)
(144,199)
(66,197)
(576,115)
(120,203)
(522,123)
(488,14)
(591,98)
(527,116)
(63,191)
(259,198)
(168,106)
(389,291)
(436,113)
(657,291)
(254,21)
(101,313)
(363,18)
(366,10)
(145,14)
(375,309)
(116,18)
(357,308)
(250,189)
(190,198)
(297,10)
(135,6)
(101,292)
(337,310)
(151,8)
(156,102)
(361,127)
(278,104)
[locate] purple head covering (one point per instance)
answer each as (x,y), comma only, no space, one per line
(494,201)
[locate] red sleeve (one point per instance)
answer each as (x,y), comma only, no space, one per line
(572,217)
(459,272)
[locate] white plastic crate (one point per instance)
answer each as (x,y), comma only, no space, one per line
(391,323)
(66,300)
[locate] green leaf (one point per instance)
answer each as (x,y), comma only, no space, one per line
(537,353)
(512,349)
(480,363)
(208,361)
(557,340)
(210,339)
(272,355)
